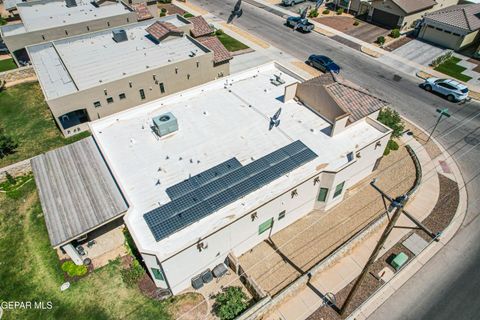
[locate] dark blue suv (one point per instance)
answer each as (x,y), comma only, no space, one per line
(323,63)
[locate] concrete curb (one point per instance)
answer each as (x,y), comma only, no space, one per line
(375,301)
(370,52)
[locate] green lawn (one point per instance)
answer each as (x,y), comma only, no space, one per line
(25,116)
(30,271)
(230,43)
(7,64)
(451,68)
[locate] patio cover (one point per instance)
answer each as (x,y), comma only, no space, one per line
(77,191)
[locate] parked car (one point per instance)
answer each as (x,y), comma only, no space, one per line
(452,89)
(323,63)
(299,23)
(291,2)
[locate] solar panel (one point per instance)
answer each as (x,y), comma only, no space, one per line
(221,185)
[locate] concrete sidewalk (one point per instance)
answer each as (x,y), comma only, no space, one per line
(338,276)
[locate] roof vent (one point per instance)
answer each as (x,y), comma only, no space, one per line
(70,3)
(165,124)
(119,35)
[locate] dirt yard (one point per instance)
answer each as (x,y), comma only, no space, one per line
(363,31)
(312,238)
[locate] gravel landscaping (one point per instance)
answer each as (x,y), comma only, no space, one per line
(314,237)
(430,146)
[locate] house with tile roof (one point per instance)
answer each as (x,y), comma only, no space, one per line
(455,27)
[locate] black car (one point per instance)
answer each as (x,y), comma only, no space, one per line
(323,63)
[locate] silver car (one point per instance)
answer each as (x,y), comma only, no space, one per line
(453,90)
(291,2)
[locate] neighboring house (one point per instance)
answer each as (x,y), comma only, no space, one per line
(48,20)
(91,76)
(210,172)
(455,27)
(200,27)
(392,14)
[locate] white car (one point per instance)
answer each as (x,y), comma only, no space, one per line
(453,90)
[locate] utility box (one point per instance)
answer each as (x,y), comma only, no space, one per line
(399,260)
(165,124)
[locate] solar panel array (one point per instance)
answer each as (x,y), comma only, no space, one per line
(221,185)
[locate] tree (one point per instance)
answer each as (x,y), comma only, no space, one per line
(230,303)
(7,144)
(392,119)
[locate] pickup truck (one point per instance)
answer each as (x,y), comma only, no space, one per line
(299,23)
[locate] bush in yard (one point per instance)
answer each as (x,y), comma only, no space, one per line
(340,11)
(73,270)
(441,59)
(165,1)
(395,33)
(392,119)
(2,21)
(387,151)
(381,40)
(313,13)
(188,15)
(230,303)
(7,144)
(132,275)
(392,145)
(326,11)
(163,10)
(10,179)
(219,32)
(356,23)
(162,14)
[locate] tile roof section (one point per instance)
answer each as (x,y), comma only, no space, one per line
(411,6)
(200,27)
(465,17)
(220,53)
(142,11)
(161,30)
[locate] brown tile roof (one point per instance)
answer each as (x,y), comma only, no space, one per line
(220,53)
(465,16)
(354,100)
(142,11)
(160,30)
(200,27)
(411,6)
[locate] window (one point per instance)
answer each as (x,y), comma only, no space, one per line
(97,104)
(128,20)
(198,64)
(439,29)
(43,37)
(109,100)
(130,84)
(338,189)
(122,96)
(162,87)
(88,28)
(430,26)
(322,195)
(456,34)
(188,76)
(281,215)
(265,226)
(157,273)
(66,32)
(350,156)
(142,94)
(176,70)
(446,31)
(108,23)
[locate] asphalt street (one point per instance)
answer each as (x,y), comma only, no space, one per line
(447,287)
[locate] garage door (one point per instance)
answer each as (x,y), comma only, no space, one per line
(385,18)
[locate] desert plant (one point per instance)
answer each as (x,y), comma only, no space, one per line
(356,23)
(219,32)
(392,119)
(381,40)
(313,13)
(326,11)
(395,33)
(441,59)
(230,303)
(340,11)
(188,15)
(73,270)
(7,144)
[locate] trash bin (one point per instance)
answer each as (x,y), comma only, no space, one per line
(399,260)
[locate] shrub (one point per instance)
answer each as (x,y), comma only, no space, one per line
(73,270)
(392,145)
(165,1)
(188,15)
(441,59)
(387,151)
(10,179)
(313,13)
(392,119)
(230,303)
(395,33)
(7,144)
(381,40)
(340,11)
(163,10)
(219,32)
(162,14)
(2,21)
(326,11)
(356,23)
(132,275)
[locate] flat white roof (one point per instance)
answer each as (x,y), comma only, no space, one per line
(78,63)
(46,14)
(217,121)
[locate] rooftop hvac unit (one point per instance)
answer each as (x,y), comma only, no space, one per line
(120,35)
(70,3)
(164,124)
